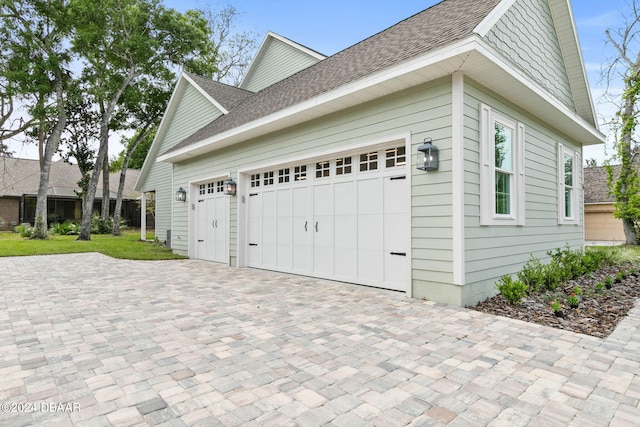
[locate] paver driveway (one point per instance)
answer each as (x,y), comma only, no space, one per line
(90,340)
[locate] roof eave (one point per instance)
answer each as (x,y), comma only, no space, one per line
(470,55)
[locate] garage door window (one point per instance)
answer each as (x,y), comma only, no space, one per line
(368,162)
(283,175)
(300,173)
(255,180)
(323,169)
(343,166)
(219,186)
(268,178)
(396,157)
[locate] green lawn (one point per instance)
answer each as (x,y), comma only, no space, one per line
(126,246)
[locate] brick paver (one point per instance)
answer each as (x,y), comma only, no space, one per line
(90,340)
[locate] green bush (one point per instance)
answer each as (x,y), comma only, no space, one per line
(512,290)
(65,228)
(25,230)
(533,274)
(104,226)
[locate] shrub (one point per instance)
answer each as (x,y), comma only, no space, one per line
(65,228)
(512,290)
(104,226)
(25,230)
(533,274)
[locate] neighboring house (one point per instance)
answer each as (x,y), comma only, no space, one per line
(600,226)
(326,165)
(20,179)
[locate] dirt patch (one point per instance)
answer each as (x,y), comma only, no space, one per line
(597,315)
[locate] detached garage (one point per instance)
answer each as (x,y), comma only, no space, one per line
(317,165)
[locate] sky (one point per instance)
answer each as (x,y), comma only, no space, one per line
(330,26)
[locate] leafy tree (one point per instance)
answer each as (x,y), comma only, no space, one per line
(33,34)
(626,185)
(121,42)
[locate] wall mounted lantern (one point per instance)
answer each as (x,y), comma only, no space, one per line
(428,156)
(230,187)
(181,195)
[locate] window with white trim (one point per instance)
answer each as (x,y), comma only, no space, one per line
(300,173)
(323,169)
(343,166)
(255,180)
(369,161)
(283,176)
(268,178)
(219,186)
(502,169)
(568,185)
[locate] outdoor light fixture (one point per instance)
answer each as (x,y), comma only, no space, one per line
(230,187)
(181,195)
(428,156)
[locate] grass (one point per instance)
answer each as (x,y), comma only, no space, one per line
(126,246)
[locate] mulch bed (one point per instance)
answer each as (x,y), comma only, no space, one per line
(597,315)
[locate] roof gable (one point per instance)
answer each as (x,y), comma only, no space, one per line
(539,36)
(198,99)
(276,59)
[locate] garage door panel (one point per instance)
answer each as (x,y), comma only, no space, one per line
(211,226)
(346,267)
(254,231)
(346,221)
(370,265)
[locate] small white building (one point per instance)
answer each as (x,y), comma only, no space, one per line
(324,152)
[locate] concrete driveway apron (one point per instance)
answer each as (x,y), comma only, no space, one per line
(88,340)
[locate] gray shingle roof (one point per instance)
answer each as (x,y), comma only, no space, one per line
(595,184)
(228,96)
(437,26)
(20,177)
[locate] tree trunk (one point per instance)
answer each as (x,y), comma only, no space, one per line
(116,213)
(626,168)
(87,211)
(629,232)
(106,193)
(46,155)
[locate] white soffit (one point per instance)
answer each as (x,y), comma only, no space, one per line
(471,55)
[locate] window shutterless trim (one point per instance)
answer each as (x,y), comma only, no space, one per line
(488,215)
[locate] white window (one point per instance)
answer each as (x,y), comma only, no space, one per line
(283,176)
(343,166)
(502,169)
(323,169)
(568,184)
(268,178)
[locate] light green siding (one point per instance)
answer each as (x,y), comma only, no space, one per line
(526,36)
(192,113)
(492,251)
(421,112)
(278,62)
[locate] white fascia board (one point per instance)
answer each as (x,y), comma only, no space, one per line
(493,17)
(562,14)
(205,94)
(298,46)
(169,111)
(487,51)
(450,51)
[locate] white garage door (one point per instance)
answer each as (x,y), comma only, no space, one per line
(211,218)
(345,218)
